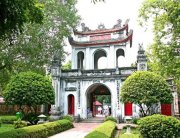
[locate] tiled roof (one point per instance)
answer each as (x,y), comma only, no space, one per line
(102,42)
(103,31)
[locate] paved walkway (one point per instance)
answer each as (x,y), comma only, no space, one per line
(82,129)
(79,131)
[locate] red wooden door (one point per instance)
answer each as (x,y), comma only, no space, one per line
(166,109)
(128,109)
(71,104)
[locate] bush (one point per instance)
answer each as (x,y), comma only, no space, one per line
(0,122)
(145,88)
(159,126)
(38,131)
(105,130)
(111,119)
(19,123)
(31,117)
(68,117)
(8,119)
(30,89)
(135,120)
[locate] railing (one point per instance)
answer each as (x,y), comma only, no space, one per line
(99,72)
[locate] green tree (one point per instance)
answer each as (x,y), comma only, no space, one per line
(104,98)
(15,13)
(67,66)
(145,88)
(30,89)
(34,48)
(163,56)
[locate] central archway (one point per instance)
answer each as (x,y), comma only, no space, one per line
(98,100)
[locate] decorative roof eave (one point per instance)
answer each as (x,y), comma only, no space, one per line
(94,43)
(93,32)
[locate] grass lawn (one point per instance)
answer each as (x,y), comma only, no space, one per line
(6,127)
(134,134)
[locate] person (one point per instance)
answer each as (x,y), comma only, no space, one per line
(99,110)
(109,110)
(106,110)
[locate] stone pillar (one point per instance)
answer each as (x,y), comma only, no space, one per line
(111,57)
(74,59)
(141,59)
(87,58)
(55,73)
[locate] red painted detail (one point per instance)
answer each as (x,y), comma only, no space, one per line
(128,109)
(109,42)
(166,109)
(71,104)
(100,37)
(112,30)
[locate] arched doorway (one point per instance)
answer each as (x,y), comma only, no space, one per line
(98,101)
(71,104)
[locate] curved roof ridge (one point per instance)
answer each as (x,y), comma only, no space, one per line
(103,31)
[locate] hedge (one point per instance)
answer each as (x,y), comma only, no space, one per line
(159,126)
(111,119)
(68,117)
(105,130)
(8,119)
(39,131)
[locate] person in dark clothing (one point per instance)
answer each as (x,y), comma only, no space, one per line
(109,110)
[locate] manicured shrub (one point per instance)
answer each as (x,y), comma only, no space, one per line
(146,88)
(19,123)
(30,89)
(31,117)
(68,117)
(159,126)
(8,119)
(0,122)
(105,130)
(38,131)
(111,119)
(135,120)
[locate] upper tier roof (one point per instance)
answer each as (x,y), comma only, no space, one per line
(104,42)
(102,36)
(101,29)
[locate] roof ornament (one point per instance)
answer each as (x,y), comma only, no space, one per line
(118,24)
(101,27)
(141,47)
(84,27)
(126,22)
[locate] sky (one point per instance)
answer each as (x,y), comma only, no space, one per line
(108,13)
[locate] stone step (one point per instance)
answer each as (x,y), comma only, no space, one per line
(93,120)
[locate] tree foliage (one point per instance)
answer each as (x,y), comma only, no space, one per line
(159,126)
(30,89)
(104,98)
(67,66)
(163,53)
(15,13)
(35,47)
(145,88)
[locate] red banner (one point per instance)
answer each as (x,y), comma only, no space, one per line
(100,37)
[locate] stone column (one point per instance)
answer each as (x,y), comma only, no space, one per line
(55,73)
(141,59)
(87,58)
(111,57)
